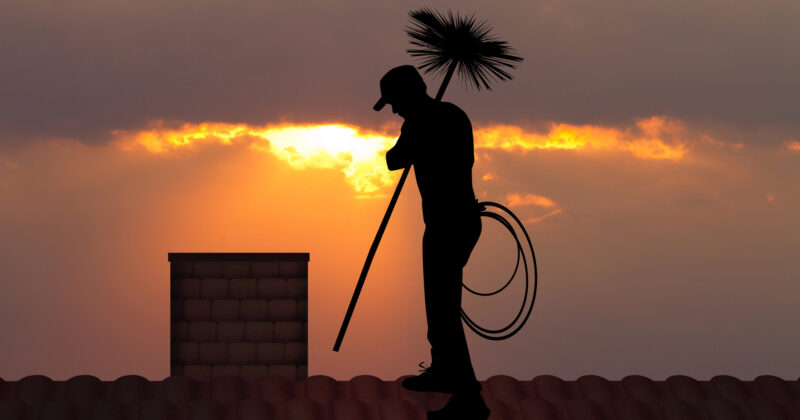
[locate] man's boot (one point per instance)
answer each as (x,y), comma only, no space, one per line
(432,379)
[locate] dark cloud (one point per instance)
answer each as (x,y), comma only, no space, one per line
(80,69)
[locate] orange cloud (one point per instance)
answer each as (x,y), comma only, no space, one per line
(794,146)
(359,153)
(540,218)
(525,199)
(653,138)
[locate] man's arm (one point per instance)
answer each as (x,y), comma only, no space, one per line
(399,156)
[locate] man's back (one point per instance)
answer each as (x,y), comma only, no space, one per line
(438,142)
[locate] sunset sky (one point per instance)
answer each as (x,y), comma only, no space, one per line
(652,150)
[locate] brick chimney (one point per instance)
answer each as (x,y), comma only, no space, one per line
(240,314)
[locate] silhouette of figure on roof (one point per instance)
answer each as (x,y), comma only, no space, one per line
(436,138)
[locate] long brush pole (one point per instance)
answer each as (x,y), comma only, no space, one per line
(381,228)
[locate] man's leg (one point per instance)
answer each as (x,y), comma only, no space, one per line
(445,330)
(443,260)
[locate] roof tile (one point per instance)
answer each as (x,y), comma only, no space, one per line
(352,410)
(579,408)
(641,388)
(34,389)
(719,409)
(504,388)
(774,388)
(179,389)
(729,388)
(130,389)
(686,389)
(227,389)
(275,389)
(6,391)
(321,389)
(595,388)
(57,409)
(301,408)
(12,410)
(157,409)
(678,410)
(255,409)
(369,398)
(551,388)
(537,408)
(205,409)
(83,389)
(627,409)
(764,409)
(108,409)
(396,409)
(367,389)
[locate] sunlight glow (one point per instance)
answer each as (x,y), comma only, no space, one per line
(360,154)
(794,145)
(654,138)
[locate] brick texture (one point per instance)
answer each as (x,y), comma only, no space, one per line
(242,315)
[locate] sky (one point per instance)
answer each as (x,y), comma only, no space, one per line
(652,150)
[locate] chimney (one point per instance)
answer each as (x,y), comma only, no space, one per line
(240,314)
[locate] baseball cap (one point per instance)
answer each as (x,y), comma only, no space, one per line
(399,81)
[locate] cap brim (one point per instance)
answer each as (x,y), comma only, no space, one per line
(380,104)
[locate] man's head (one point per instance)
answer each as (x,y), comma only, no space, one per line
(401,87)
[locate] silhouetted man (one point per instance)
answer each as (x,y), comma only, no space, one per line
(436,138)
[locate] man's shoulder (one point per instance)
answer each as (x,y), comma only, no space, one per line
(452,112)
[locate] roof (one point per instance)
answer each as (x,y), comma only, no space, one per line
(369,398)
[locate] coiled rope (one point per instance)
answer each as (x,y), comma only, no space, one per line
(489,210)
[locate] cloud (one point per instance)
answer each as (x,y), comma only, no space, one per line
(525,199)
(80,69)
(653,138)
(794,146)
(358,154)
(540,218)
